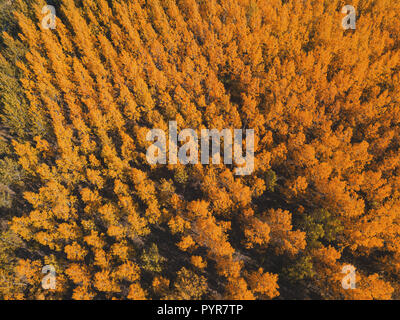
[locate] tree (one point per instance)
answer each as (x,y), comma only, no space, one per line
(189,286)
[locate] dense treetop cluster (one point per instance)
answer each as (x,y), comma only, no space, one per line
(76,191)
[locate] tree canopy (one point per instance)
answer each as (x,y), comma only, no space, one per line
(76,191)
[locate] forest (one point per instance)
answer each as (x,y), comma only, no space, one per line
(78,98)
